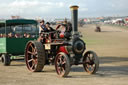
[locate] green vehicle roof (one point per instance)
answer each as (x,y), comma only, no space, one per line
(18,21)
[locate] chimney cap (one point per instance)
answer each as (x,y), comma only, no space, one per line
(74,7)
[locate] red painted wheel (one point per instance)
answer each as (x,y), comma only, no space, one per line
(62,64)
(90,62)
(35,56)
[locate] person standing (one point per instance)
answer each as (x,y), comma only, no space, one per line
(49,28)
(42,27)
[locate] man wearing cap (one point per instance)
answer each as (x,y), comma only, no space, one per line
(49,28)
(42,27)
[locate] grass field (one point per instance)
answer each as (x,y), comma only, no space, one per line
(111,41)
(111,45)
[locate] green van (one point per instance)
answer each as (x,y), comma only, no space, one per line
(14,34)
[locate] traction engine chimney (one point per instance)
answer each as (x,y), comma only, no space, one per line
(74,18)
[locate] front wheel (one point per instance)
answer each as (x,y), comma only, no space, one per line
(5,58)
(90,62)
(62,64)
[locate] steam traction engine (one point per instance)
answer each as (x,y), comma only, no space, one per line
(63,51)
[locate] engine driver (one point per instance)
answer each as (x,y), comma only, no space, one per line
(66,29)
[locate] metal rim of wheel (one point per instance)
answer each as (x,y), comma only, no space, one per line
(62,64)
(90,62)
(35,56)
(5,59)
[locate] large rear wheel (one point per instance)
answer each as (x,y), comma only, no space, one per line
(90,62)
(35,56)
(62,64)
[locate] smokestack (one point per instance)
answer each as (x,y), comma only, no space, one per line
(74,18)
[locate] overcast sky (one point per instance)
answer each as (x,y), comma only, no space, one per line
(60,8)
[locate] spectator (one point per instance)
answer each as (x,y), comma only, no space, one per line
(4,35)
(10,35)
(25,35)
(1,35)
(17,35)
(28,36)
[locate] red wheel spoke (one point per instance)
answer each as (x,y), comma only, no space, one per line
(30,60)
(89,59)
(63,70)
(93,66)
(34,50)
(57,63)
(35,54)
(87,62)
(88,55)
(33,66)
(60,58)
(29,52)
(35,61)
(59,70)
(31,46)
(63,62)
(32,53)
(88,65)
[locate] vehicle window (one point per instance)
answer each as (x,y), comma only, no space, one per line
(2,29)
(8,29)
(30,29)
(4,32)
(19,31)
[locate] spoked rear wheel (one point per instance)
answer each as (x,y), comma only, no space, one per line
(35,56)
(90,62)
(62,64)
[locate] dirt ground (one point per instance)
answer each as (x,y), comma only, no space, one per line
(111,47)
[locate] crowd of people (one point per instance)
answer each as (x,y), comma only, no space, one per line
(43,27)
(17,35)
(65,29)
